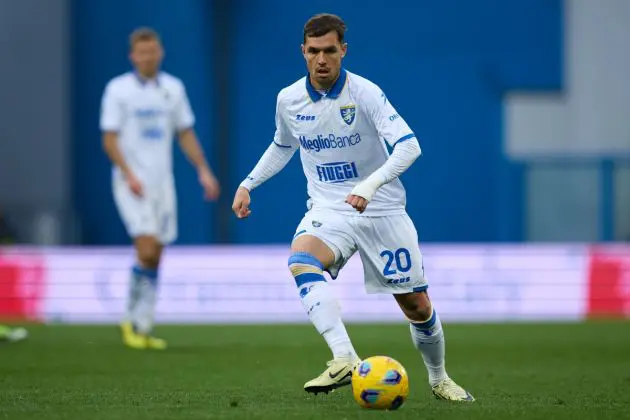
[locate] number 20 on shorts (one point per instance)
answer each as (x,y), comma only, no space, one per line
(401,258)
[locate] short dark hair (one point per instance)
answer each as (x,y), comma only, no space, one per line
(321,24)
(143,34)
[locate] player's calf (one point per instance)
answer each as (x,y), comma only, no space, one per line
(319,303)
(428,337)
(416,306)
(142,289)
(323,311)
(426,332)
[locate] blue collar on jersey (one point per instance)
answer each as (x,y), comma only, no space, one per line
(333,92)
(143,81)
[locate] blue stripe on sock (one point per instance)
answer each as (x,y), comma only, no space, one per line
(302,279)
(305,258)
(427,324)
(145,272)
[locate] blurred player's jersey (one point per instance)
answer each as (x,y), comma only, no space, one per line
(146,114)
(341,135)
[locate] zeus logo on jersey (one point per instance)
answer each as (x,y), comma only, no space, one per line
(331,141)
(336,172)
(400,280)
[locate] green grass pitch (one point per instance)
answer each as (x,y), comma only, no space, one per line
(516,371)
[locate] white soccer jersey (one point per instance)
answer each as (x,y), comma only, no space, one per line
(340,136)
(146,115)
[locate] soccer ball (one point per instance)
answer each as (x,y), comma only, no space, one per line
(381,383)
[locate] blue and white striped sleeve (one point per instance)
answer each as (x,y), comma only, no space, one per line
(283,137)
(390,125)
(277,155)
(396,132)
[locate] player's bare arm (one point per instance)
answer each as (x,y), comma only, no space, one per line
(192,149)
(110,145)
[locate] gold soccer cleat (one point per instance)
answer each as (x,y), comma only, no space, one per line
(449,390)
(338,374)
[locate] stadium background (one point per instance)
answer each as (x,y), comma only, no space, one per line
(520,108)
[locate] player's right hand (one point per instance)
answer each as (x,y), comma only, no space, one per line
(135,185)
(241,203)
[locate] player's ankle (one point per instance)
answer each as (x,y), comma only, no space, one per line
(345,357)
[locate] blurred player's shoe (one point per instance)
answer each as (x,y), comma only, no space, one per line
(140,341)
(449,390)
(338,374)
(130,338)
(12,334)
(126,328)
(155,343)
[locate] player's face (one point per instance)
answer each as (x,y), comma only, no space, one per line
(323,56)
(146,57)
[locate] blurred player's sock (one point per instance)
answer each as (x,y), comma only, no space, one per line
(428,337)
(138,324)
(146,297)
(133,293)
(320,305)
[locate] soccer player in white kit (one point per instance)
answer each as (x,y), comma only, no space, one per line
(141,112)
(340,121)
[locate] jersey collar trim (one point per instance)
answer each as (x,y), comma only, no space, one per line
(143,82)
(334,91)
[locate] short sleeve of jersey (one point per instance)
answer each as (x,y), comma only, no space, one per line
(282,136)
(111,109)
(184,116)
(390,125)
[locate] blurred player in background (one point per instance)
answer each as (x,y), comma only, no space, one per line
(339,120)
(8,334)
(141,113)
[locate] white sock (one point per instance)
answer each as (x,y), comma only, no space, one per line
(144,310)
(325,314)
(320,305)
(428,337)
(132,294)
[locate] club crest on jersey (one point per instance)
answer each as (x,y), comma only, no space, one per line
(348,113)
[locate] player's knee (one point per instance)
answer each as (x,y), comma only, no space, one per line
(149,259)
(148,255)
(305,268)
(416,306)
(315,247)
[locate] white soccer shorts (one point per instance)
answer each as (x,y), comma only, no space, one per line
(388,247)
(154,214)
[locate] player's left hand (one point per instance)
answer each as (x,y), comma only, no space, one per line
(210,184)
(357,202)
